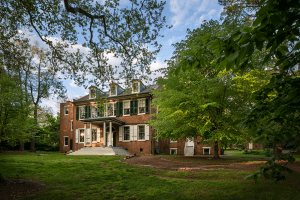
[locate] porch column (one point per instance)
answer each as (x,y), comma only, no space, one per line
(104,134)
(110,134)
(85,135)
(91,135)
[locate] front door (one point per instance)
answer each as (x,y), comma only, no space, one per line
(250,145)
(114,137)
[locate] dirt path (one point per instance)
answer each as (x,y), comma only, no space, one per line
(162,162)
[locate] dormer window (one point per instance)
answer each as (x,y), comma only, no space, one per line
(93,91)
(136,87)
(113,90)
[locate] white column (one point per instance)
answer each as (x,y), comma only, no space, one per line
(84,135)
(104,134)
(110,134)
(91,135)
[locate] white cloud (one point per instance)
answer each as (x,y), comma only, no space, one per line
(207,16)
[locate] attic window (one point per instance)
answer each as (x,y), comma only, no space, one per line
(113,90)
(92,93)
(135,87)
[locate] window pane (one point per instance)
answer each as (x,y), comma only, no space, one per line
(110,109)
(126,106)
(66,110)
(126,133)
(81,136)
(94,135)
(94,111)
(66,141)
(141,132)
(142,106)
(82,112)
(93,93)
(136,87)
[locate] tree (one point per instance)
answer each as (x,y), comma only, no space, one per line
(129,32)
(200,99)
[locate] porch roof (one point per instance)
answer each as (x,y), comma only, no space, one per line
(99,120)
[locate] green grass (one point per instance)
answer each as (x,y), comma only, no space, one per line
(104,177)
(240,154)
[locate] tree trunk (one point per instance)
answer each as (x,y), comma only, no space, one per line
(279,149)
(32,143)
(2,180)
(216,150)
(21,146)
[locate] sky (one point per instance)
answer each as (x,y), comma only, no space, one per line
(182,14)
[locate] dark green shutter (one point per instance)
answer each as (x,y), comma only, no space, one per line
(120,108)
(77,113)
(89,112)
(85,112)
(131,108)
(147,106)
(100,111)
(136,107)
(117,109)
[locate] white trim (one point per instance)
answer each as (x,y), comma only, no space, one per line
(173,149)
(65,141)
(124,133)
(94,128)
(144,107)
(72,125)
(137,87)
(79,135)
(206,148)
(173,141)
(116,89)
(129,107)
(65,110)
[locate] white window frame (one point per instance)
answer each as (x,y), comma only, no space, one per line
(139,106)
(123,140)
(206,148)
(90,94)
(116,89)
(172,141)
(65,141)
(94,105)
(106,112)
(138,88)
(173,149)
(79,135)
(124,108)
(71,125)
(65,110)
(80,112)
(138,134)
(92,135)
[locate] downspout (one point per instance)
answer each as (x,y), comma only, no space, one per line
(151,127)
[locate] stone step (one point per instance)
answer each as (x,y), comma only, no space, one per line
(100,151)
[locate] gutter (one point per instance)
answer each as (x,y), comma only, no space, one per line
(151,120)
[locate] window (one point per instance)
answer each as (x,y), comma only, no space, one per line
(113,90)
(206,150)
(173,151)
(81,112)
(66,110)
(110,109)
(126,133)
(81,135)
(92,93)
(94,135)
(141,134)
(141,106)
(66,140)
(126,107)
(94,111)
(135,87)
(71,125)
(172,140)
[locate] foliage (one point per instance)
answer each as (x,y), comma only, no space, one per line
(48,134)
(15,126)
(105,28)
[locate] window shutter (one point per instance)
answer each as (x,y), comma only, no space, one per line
(135,133)
(131,133)
(98,134)
(147,106)
(136,107)
(120,108)
(89,111)
(85,112)
(147,132)
(117,109)
(131,107)
(77,113)
(76,135)
(120,133)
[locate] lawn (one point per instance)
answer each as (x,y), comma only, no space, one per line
(104,177)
